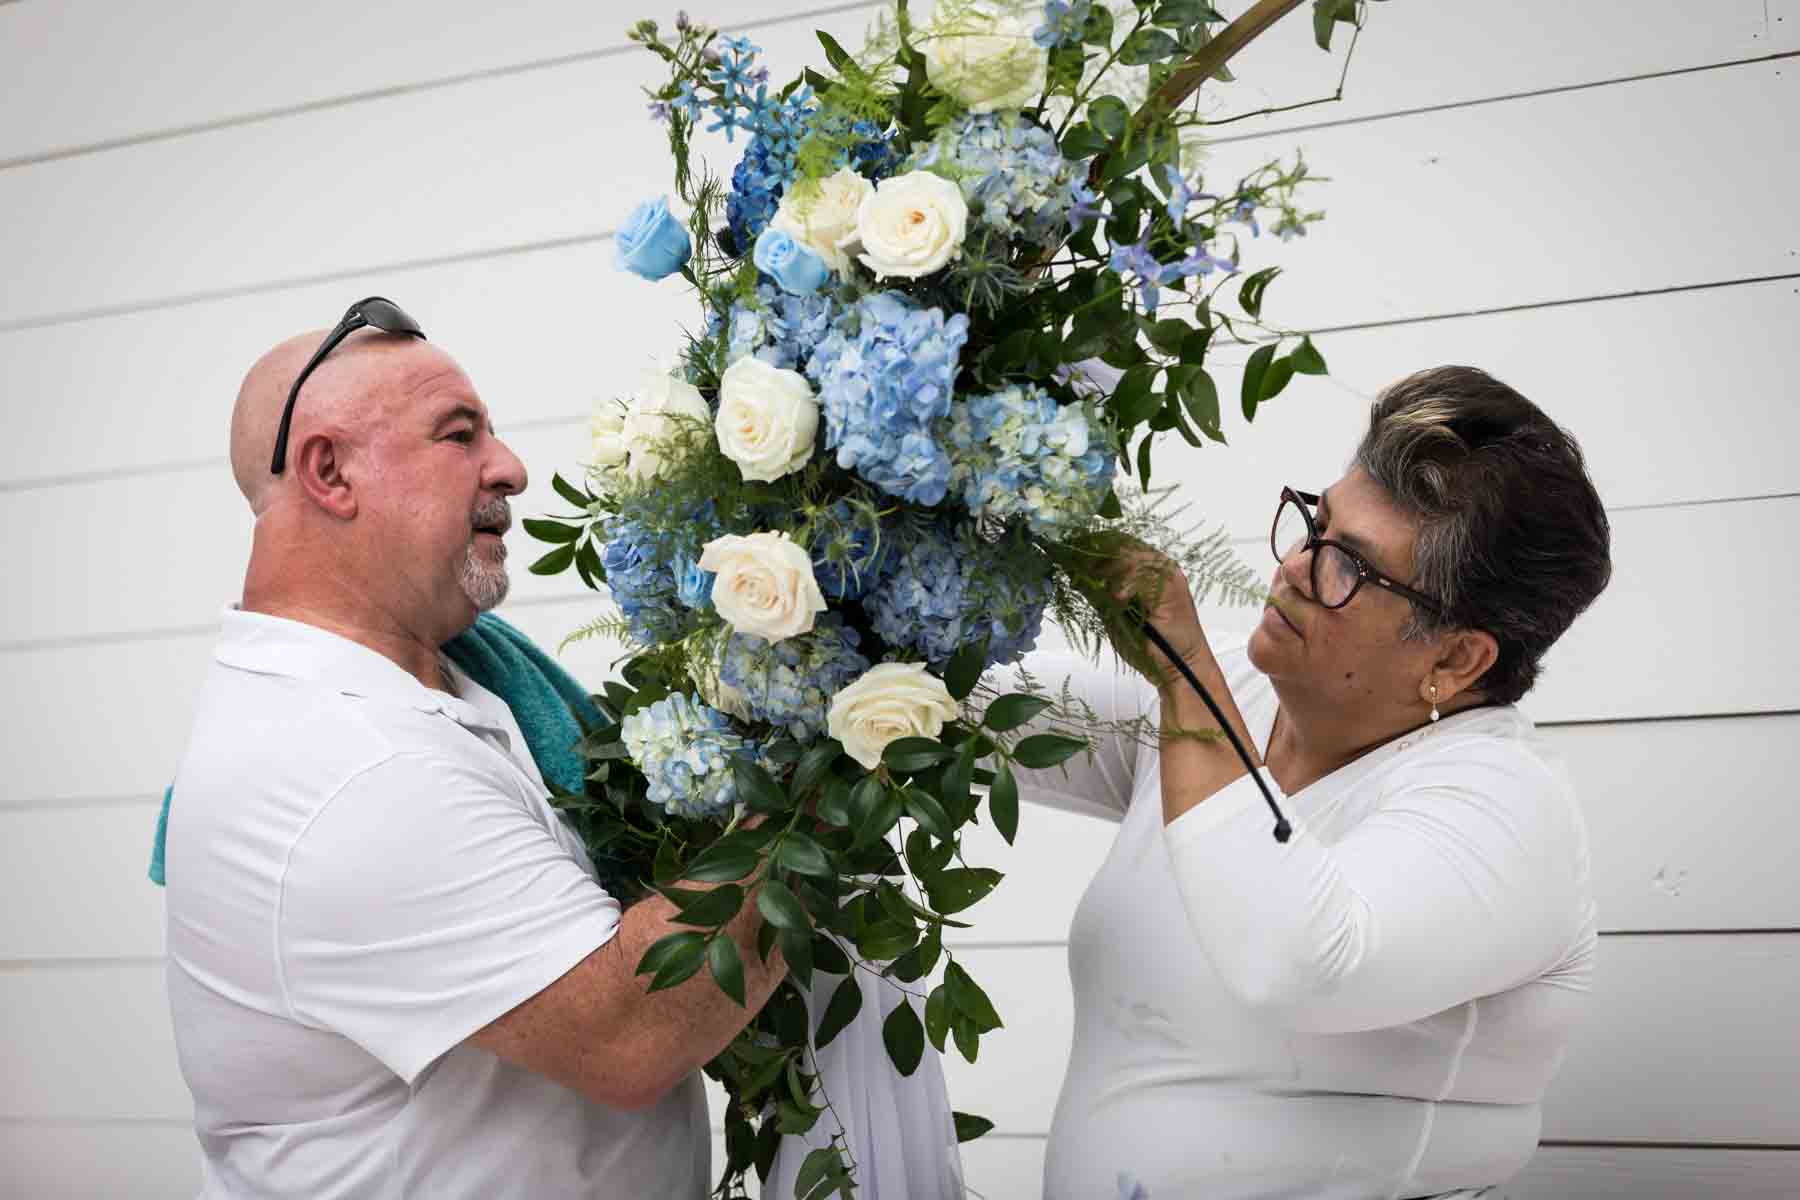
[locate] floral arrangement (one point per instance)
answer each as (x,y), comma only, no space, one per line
(954,289)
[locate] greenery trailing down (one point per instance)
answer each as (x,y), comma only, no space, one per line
(1074,324)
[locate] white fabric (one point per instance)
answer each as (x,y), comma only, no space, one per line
(901,1132)
(362,873)
(1373,1010)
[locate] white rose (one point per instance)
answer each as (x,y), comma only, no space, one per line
(765,585)
(983,55)
(768,419)
(891,701)
(664,412)
(911,225)
(609,451)
(820,217)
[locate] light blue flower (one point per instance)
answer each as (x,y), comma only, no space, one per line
(1180,194)
(1011,172)
(781,329)
(1245,211)
(1131,1189)
(1016,453)
(790,683)
(949,587)
(884,375)
(685,750)
(794,268)
(1085,204)
(1137,260)
(693,586)
(1200,261)
(1063,22)
(652,242)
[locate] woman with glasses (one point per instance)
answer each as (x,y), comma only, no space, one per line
(1374,1005)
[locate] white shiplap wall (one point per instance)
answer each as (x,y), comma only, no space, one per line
(1593,201)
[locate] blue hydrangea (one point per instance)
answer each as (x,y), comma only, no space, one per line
(756,187)
(790,683)
(685,751)
(850,551)
(1011,172)
(645,573)
(884,376)
(779,328)
(1018,453)
(948,587)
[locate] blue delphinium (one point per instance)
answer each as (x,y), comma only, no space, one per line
(756,187)
(948,587)
(1011,172)
(1016,452)
(1063,21)
(884,375)
(781,329)
(790,683)
(685,751)
(1151,275)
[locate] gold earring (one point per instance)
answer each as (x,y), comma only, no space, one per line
(1434,708)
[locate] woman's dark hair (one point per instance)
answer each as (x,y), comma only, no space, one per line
(1512,537)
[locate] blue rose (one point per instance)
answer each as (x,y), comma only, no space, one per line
(652,243)
(794,268)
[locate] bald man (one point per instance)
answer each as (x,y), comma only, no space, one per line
(391,970)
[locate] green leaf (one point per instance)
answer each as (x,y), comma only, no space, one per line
(676,958)
(886,939)
(709,908)
(927,856)
(796,948)
(551,531)
(956,889)
(1143,460)
(1147,46)
(969,1126)
(1250,292)
(1176,14)
(937,1016)
(556,561)
(1046,749)
(791,1119)
(927,812)
(721,865)
(955,787)
(1326,15)
(1167,334)
(814,1169)
(1003,804)
(1134,400)
(828,956)
(1276,378)
(865,797)
(780,907)
(1200,395)
(846,1001)
(834,803)
(881,819)
(726,967)
(1307,359)
(834,53)
(909,754)
(813,764)
(904,1037)
(801,854)
(757,786)
(1010,711)
(968,1000)
(1083,141)
(1098,32)
(968,1038)
(1254,370)
(964,671)
(1108,116)
(568,491)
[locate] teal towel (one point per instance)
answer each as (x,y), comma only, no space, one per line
(549,705)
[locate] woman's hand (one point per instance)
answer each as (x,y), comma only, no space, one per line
(1155,587)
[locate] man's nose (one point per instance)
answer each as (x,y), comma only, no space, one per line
(506,472)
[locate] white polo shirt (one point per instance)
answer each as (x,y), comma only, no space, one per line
(363,872)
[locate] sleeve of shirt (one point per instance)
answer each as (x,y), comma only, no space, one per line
(1462,883)
(422,903)
(1098,784)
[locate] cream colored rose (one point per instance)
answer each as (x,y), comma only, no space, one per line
(609,452)
(911,225)
(768,419)
(765,585)
(660,418)
(982,54)
(822,215)
(888,702)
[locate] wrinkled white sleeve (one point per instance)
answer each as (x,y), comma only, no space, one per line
(1464,881)
(422,903)
(1097,784)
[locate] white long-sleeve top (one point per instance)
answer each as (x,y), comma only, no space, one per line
(1372,1010)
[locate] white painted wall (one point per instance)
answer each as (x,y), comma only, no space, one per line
(1593,201)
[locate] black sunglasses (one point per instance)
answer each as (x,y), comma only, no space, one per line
(377,311)
(1338,572)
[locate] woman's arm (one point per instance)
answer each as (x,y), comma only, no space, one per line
(1466,880)
(1097,784)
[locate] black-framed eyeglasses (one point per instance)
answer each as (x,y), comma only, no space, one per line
(1338,572)
(377,311)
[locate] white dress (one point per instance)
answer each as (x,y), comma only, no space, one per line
(1373,1010)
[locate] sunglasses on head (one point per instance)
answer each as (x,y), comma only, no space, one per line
(377,312)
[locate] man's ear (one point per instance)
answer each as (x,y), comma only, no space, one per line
(318,465)
(1466,655)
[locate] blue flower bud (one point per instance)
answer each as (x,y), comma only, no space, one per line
(795,269)
(652,242)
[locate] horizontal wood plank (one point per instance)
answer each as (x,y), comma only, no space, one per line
(93,1161)
(468,183)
